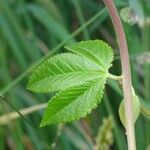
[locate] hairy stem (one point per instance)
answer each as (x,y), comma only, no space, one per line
(127,83)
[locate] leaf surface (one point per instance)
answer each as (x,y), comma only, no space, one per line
(96,50)
(73,103)
(63,71)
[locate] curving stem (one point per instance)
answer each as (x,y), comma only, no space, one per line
(126,73)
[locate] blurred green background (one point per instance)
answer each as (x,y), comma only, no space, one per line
(33,30)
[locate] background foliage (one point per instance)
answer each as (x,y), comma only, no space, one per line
(32,30)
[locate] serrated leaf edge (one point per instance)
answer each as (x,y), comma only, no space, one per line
(37,70)
(88,112)
(101,65)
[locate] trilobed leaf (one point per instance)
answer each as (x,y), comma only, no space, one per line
(78,78)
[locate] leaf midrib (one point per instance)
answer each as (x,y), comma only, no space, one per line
(74,72)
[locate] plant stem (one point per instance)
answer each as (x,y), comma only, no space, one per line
(114,77)
(127,83)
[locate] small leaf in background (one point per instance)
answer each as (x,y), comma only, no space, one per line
(135,110)
(104,138)
(78,78)
(129,16)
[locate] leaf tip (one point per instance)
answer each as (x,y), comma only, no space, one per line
(42,123)
(29,86)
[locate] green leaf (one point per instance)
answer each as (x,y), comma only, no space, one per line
(63,71)
(78,78)
(74,103)
(96,50)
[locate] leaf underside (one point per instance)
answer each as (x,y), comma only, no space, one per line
(78,78)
